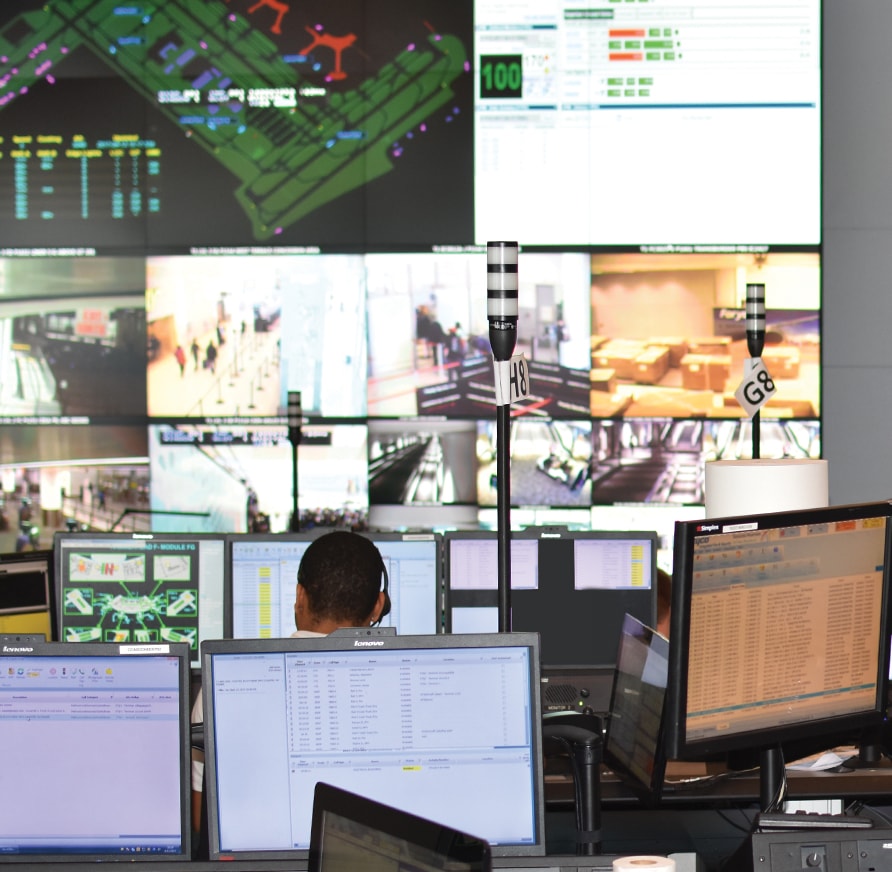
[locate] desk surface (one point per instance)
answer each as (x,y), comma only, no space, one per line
(741,788)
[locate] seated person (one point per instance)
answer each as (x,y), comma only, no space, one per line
(338,585)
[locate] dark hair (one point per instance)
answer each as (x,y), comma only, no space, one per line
(341,573)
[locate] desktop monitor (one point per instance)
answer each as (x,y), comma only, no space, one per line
(633,738)
(572,587)
(97,765)
(262,579)
(26,593)
(780,632)
(140,587)
(446,727)
(351,832)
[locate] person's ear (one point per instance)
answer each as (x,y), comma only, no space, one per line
(379,608)
(300,605)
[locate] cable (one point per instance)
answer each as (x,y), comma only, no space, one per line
(577,781)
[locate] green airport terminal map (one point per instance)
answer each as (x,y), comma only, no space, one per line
(130,596)
(294,111)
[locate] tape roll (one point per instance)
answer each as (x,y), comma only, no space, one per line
(644,863)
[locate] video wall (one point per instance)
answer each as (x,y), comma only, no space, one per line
(207,205)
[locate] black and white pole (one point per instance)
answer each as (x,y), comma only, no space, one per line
(755,342)
(295,421)
(501,310)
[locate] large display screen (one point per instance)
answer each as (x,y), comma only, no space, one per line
(647,122)
(273,123)
(183,125)
(210,205)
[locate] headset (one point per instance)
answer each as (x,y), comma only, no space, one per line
(382,572)
(385,610)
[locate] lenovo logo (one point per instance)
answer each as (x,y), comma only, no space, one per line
(9,649)
(368,643)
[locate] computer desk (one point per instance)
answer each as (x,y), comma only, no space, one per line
(710,817)
(719,786)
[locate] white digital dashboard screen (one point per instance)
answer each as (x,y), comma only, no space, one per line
(649,122)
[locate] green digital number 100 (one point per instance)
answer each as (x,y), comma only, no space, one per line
(501,76)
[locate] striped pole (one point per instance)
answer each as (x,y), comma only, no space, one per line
(755,342)
(501,297)
(501,309)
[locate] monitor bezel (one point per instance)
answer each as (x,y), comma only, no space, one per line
(42,560)
(677,743)
(311,535)
(488,597)
(64,536)
(182,652)
(212,648)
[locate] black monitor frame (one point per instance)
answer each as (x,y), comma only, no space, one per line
(104,768)
(32,574)
(574,613)
(807,729)
(348,829)
(214,652)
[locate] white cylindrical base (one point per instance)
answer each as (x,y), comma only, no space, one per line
(755,487)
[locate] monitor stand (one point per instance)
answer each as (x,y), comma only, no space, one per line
(772,778)
(584,744)
(870,750)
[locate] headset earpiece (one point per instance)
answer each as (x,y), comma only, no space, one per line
(385,609)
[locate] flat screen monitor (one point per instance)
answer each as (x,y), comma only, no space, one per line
(98,768)
(262,573)
(26,593)
(447,727)
(351,832)
(572,587)
(780,630)
(633,739)
(140,587)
